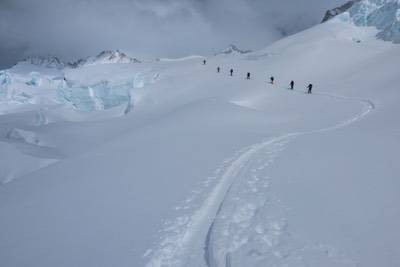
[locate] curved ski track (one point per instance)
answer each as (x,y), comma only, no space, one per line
(188,235)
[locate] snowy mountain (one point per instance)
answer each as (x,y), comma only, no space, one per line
(45,61)
(107,57)
(170,163)
(382,14)
(77,64)
(232,50)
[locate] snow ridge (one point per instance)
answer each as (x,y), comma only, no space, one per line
(104,57)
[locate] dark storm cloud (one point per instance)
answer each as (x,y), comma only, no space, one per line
(147,28)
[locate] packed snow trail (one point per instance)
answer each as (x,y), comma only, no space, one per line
(187,236)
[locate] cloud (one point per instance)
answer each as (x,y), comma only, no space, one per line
(147,28)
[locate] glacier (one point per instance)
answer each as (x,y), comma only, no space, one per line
(5,78)
(98,96)
(381,14)
(34,81)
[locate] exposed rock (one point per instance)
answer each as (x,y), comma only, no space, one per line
(232,49)
(339,10)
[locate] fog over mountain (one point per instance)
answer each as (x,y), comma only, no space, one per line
(72,29)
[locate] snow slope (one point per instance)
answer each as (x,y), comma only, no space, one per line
(169,163)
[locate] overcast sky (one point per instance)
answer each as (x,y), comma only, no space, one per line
(72,29)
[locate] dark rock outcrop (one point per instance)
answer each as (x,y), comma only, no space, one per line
(339,10)
(232,49)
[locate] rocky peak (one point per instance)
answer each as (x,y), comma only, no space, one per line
(111,56)
(338,10)
(45,61)
(232,49)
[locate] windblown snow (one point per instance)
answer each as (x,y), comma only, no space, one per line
(170,163)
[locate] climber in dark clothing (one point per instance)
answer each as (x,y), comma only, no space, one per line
(310,86)
(272,80)
(292,85)
(218,69)
(231,71)
(248,76)
(204,62)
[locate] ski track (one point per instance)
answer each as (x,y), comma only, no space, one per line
(226,223)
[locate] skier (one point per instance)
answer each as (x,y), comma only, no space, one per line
(218,69)
(272,79)
(310,86)
(292,85)
(204,62)
(248,76)
(231,71)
